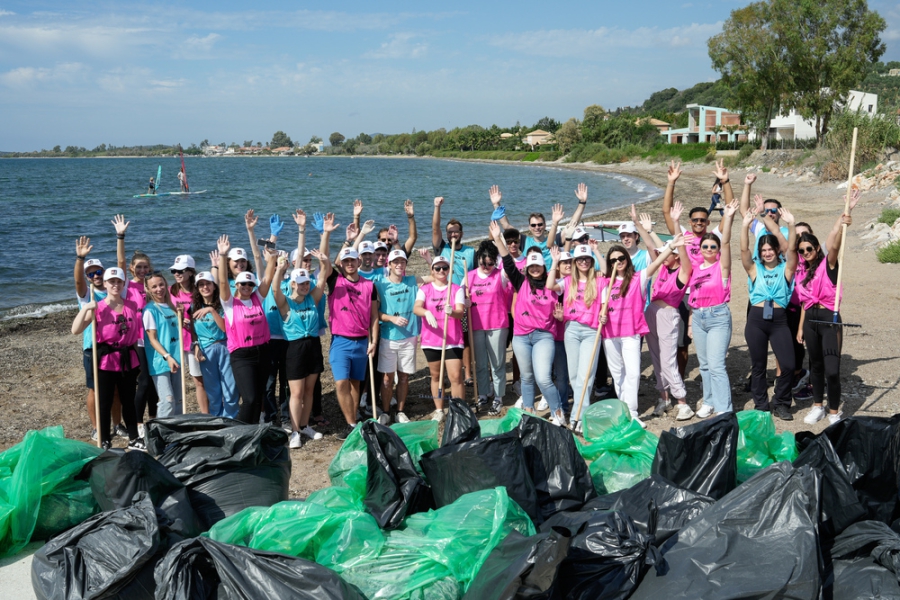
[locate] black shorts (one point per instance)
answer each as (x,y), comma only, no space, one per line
(434,354)
(685,314)
(87,361)
(304,358)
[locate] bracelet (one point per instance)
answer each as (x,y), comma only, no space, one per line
(582,203)
(167,357)
(79,257)
(120,236)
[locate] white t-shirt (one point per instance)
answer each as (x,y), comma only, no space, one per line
(459,298)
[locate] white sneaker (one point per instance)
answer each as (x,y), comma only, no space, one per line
(816,414)
(362,398)
(296,441)
(542,405)
(559,419)
(517,388)
(520,403)
(141,430)
(641,423)
(311,433)
(705,411)
(438,415)
(401,417)
(393,402)
(384,418)
(262,418)
(684,413)
(835,418)
(576,426)
(662,405)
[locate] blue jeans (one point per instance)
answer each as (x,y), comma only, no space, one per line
(579,344)
(712,335)
(561,370)
(168,388)
(534,353)
(219,381)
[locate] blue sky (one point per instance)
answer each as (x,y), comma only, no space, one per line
(85,73)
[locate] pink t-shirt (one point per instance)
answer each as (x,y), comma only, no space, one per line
(575,309)
(246,326)
(119,330)
(490,300)
(434,300)
(534,310)
(800,293)
(184,299)
(136,295)
(625,315)
(666,288)
(821,290)
(707,287)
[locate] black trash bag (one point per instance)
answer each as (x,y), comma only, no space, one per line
(116,476)
(393,487)
(701,457)
(866,562)
(453,471)
(201,568)
(840,504)
(869,448)
(461,424)
(607,559)
(560,475)
(759,541)
(225,465)
(521,567)
(102,557)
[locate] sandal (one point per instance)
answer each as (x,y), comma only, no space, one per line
(469,382)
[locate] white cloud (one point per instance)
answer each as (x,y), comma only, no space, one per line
(202,44)
(97,41)
(26,77)
(400,45)
(5,13)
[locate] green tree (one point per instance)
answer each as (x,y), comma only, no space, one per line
(281,139)
(336,139)
(315,140)
(248,143)
(547,124)
(364,138)
(568,135)
(829,47)
(57,149)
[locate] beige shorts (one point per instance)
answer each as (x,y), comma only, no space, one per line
(397,355)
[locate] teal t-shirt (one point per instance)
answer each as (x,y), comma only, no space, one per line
(463,261)
(398,299)
(207,331)
(166,332)
(771,285)
(302,320)
(87,337)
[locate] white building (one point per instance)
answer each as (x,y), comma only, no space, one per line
(792,126)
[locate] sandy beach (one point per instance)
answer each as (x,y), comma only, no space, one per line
(42,381)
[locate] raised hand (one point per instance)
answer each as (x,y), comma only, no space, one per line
(731,208)
(581,192)
(676,210)
(120,224)
(223,245)
(721,171)
(393,234)
(750,179)
(855,195)
(368,227)
(647,222)
(357,207)
(759,202)
(214,258)
(425,253)
(495,195)
(786,216)
(318,218)
(846,220)
(554,254)
(250,219)
(558,213)
(317,254)
(275,225)
(83,246)
(352,231)
(438,201)
(595,245)
(300,219)
(495,230)
(674,171)
(749,216)
(634,216)
(328,224)
(677,241)
(409,208)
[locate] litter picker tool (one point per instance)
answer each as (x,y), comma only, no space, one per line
(181,365)
(446,320)
(837,293)
(96,370)
(375,406)
(587,377)
(471,336)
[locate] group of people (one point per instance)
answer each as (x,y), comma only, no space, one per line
(571,314)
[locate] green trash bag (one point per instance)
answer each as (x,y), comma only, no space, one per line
(238,528)
(42,465)
(506,423)
(758,444)
(613,470)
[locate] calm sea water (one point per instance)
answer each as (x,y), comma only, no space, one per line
(48,203)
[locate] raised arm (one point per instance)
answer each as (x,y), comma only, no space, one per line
(643,226)
(223,245)
(266,281)
(669,196)
(557,214)
(250,220)
(436,234)
(82,249)
(367,228)
(730,209)
(357,212)
(835,237)
(413,232)
(790,255)
(277,294)
(121,227)
(746,252)
(328,225)
(721,173)
(324,273)
(496,197)
(275,227)
(749,180)
(300,220)
(668,248)
(554,271)
(581,192)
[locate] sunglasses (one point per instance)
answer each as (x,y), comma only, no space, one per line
(699,220)
(93,274)
(709,247)
(771,211)
(246,283)
(441,268)
(177,271)
(807,249)
(618,259)
(385,240)
(511,242)
(591,258)
(535,225)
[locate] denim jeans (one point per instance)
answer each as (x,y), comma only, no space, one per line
(712,335)
(168,388)
(561,373)
(219,381)
(579,346)
(535,352)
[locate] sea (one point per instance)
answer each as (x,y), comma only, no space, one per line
(48,203)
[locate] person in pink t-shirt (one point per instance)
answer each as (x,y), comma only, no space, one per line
(184,270)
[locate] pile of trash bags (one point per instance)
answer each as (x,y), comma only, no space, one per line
(485,509)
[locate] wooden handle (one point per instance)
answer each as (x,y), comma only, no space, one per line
(837,291)
(182,366)
(96,368)
(471,337)
(446,319)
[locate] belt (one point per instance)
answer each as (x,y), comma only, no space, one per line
(822,306)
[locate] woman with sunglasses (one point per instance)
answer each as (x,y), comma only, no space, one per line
(801,388)
(823,340)
(489,293)
(306,263)
(770,281)
(534,324)
(162,318)
(182,291)
(710,321)
(211,351)
(118,330)
(247,331)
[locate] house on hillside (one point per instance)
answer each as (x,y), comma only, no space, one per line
(661,126)
(538,137)
(794,127)
(709,124)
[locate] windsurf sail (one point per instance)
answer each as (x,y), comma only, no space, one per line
(158,175)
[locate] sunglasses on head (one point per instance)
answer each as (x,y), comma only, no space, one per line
(618,259)
(440,268)
(93,274)
(709,247)
(807,249)
(699,220)
(533,225)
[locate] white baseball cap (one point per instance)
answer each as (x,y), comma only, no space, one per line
(380,245)
(534,258)
(582,250)
(184,261)
(348,253)
(563,255)
(662,248)
(439,259)
(293,256)
(627,228)
(245,277)
(395,254)
(205,276)
(299,276)
(579,233)
(114,273)
(366,248)
(92,263)
(237,254)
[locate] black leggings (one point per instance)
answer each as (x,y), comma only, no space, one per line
(250,367)
(277,370)
(793,318)
(145,397)
(107,384)
(759,333)
(823,342)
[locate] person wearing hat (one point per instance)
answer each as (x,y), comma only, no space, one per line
(353,319)
(301,330)
(161,320)
(366,252)
(306,262)
(534,324)
(88,271)
(768,217)
(399,329)
(182,291)
(247,331)
(118,330)
(629,238)
(211,350)
(440,302)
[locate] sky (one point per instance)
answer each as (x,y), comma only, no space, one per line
(122,73)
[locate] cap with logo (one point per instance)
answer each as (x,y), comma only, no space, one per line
(237,254)
(366,248)
(348,253)
(395,254)
(299,276)
(184,261)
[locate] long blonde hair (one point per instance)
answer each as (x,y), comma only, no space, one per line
(590,286)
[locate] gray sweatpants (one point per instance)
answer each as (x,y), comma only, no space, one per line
(490,361)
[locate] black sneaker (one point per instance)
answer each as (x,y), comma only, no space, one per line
(805,393)
(496,407)
(107,445)
(121,431)
(343,434)
(137,444)
(783,413)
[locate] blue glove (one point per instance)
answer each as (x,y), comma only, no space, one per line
(319,222)
(275,225)
(499,213)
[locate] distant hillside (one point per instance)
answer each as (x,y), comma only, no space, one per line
(671,100)
(887,88)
